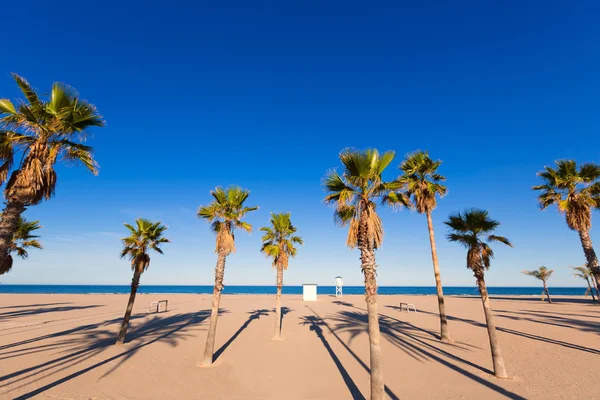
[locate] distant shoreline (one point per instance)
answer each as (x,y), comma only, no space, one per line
(287,290)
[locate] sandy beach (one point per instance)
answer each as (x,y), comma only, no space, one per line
(61,347)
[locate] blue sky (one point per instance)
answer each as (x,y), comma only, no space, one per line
(266,94)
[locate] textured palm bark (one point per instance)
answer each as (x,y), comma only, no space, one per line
(8,225)
(214,313)
(590,288)
(547,292)
(499,369)
(367,257)
(135,283)
(444,334)
(277,335)
(590,255)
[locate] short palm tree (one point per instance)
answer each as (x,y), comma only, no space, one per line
(354,193)
(39,132)
(576,192)
(473,230)
(225,214)
(23,239)
(146,235)
(584,273)
(422,183)
(543,274)
(278,243)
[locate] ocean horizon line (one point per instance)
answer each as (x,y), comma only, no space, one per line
(271,289)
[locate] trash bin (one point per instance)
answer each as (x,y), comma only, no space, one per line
(309,291)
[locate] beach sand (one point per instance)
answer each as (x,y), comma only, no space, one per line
(61,347)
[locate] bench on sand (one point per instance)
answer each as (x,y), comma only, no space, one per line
(155,306)
(408,307)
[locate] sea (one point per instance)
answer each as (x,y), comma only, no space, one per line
(325,290)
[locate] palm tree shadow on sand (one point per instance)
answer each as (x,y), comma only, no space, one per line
(90,343)
(321,323)
(284,311)
(256,314)
(571,323)
(314,323)
(411,340)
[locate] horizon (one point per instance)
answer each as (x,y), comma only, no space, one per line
(266,95)
(270,285)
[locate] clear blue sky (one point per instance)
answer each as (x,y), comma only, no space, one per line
(266,94)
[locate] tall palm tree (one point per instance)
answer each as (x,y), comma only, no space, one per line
(575,191)
(24,238)
(145,236)
(423,183)
(354,193)
(473,230)
(39,132)
(225,214)
(278,243)
(543,274)
(584,273)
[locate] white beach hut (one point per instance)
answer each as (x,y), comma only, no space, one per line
(309,291)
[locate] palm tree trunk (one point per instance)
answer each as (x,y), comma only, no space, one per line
(590,288)
(367,257)
(278,304)
(590,255)
(444,335)
(547,292)
(8,225)
(135,282)
(214,313)
(499,369)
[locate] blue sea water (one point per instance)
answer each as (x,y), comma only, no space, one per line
(383,290)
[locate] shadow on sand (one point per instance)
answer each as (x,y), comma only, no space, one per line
(317,321)
(530,335)
(413,342)
(90,341)
(37,310)
(535,299)
(256,314)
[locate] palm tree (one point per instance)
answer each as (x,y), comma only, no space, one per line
(584,273)
(353,194)
(24,239)
(422,183)
(543,274)
(225,214)
(39,132)
(278,243)
(575,191)
(145,236)
(473,230)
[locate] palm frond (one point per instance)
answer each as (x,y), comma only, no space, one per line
(144,236)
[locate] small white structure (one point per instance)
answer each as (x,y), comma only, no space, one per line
(338,286)
(408,307)
(155,305)
(309,291)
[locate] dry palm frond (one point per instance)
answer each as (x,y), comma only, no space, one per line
(279,239)
(225,214)
(472,229)
(542,273)
(353,194)
(421,180)
(40,129)
(144,236)
(575,191)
